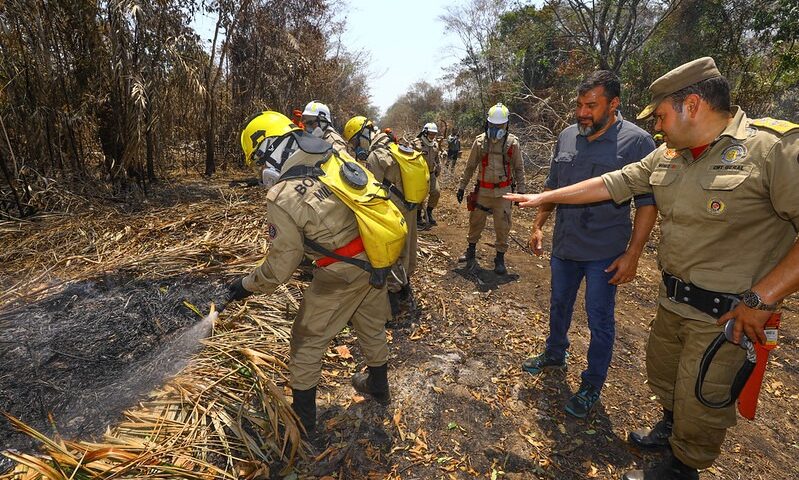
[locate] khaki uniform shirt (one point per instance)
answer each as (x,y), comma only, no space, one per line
(496,170)
(728,216)
(332,137)
(381,163)
(299,208)
(430,153)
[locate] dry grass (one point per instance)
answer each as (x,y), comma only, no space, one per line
(223,416)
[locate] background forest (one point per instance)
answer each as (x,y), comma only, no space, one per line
(103,98)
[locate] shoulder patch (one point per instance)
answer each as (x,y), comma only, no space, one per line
(780,126)
(272,231)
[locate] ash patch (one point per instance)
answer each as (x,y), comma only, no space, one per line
(94,349)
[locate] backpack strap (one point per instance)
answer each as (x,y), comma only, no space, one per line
(396,191)
(302,171)
(506,154)
(377,276)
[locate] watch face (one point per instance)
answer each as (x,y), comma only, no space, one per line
(750,299)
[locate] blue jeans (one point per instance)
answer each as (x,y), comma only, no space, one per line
(600,302)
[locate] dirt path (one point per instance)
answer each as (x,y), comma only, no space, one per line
(462,407)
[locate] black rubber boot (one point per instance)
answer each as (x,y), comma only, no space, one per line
(373,382)
(304,406)
(499,264)
(430,220)
(395,302)
(419,219)
(668,469)
(655,437)
(403,307)
(470,253)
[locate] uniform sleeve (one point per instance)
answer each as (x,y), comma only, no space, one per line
(339,143)
(376,166)
(471,165)
(552,179)
(284,254)
(632,179)
(782,173)
(646,145)
(518,168)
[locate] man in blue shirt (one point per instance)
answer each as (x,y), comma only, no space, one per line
(591,241)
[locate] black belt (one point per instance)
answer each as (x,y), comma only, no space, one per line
(714,304)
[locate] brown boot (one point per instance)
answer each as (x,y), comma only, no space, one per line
(373,382)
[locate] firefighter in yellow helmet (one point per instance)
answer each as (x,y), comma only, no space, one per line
(426,143)
(374,148)
(501,169)
(319,123)
(301,210)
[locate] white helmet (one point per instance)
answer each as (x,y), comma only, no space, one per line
(317,109)
(430,127)
(498,114)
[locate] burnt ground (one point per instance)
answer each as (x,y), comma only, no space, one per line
(73,361)
(461,406)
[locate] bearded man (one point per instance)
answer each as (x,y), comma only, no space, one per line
(591,242)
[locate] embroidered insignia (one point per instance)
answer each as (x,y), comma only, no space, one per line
(727,168)
(715,206)
(751,131)
(670,153)
(272,229)
(668,166)
(733,153)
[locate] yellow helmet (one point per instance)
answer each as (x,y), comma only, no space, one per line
(355,125)
(262,126)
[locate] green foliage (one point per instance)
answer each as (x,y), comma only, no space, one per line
(532,58)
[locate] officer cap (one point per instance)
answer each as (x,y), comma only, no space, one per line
(683,76)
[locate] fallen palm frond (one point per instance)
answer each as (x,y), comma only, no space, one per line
(224,415)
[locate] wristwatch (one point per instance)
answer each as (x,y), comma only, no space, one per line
(752,300)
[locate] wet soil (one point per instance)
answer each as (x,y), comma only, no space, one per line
(73,361)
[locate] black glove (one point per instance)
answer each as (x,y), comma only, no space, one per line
(236,291)
(459,195)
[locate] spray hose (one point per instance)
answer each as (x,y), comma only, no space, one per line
(740,378)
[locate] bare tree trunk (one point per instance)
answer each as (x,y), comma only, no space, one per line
(10,181)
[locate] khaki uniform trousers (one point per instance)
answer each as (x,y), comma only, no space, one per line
(501,211)
(673,353)
(435,193)
(402,271)
(326,308)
